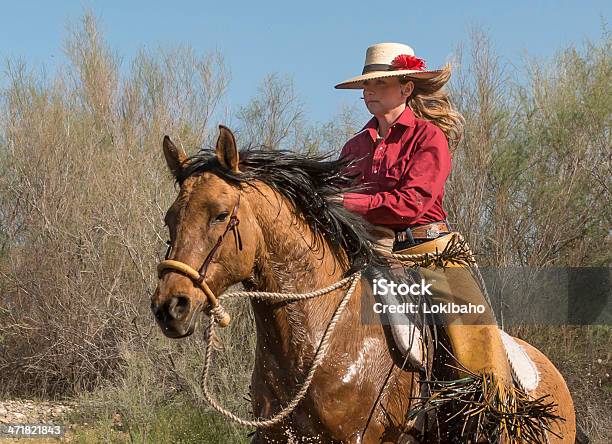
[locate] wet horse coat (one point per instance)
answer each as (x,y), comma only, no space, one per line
(296,240)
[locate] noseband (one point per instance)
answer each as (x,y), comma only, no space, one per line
(199,277)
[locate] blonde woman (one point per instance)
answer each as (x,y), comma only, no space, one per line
(404,148)
(402,159)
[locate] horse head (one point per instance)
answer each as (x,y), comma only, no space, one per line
(206,214)
(278,208)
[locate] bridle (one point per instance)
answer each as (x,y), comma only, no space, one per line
(199,276)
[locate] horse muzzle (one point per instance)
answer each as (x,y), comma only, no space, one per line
(176,316)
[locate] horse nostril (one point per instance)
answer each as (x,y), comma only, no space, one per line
(178,307)
(157,311)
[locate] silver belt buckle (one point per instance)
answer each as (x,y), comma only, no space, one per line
(433,232)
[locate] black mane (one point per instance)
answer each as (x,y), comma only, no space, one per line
(308,181)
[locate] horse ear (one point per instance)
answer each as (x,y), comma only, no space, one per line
(226,150)
(174,156)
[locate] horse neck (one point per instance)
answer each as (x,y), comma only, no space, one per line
(288,263)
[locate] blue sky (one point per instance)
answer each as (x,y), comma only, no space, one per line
(317,43)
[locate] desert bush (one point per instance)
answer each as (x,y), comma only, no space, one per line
(83,198)
(531,179)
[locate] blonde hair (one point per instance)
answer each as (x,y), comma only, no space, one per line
(431,102)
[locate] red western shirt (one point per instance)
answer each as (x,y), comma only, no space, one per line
(404,173)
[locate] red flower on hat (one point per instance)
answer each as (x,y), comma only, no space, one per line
(405,61)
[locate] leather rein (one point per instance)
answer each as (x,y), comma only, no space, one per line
(199,276)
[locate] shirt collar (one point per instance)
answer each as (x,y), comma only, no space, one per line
(406,119)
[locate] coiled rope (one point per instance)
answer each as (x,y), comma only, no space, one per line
(320,354)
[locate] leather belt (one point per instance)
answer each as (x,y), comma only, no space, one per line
(428,231)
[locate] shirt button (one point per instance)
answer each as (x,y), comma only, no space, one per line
(375,171)
(380,148)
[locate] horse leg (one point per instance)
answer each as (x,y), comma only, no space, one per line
(388,424)
(553,384)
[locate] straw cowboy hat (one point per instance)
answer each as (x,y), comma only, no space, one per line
(389,60)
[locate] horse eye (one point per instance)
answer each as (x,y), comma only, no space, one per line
(222,217)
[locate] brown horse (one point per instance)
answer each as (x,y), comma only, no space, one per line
(296,239)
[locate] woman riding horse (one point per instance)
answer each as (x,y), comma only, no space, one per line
(264,218)
(267,219)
